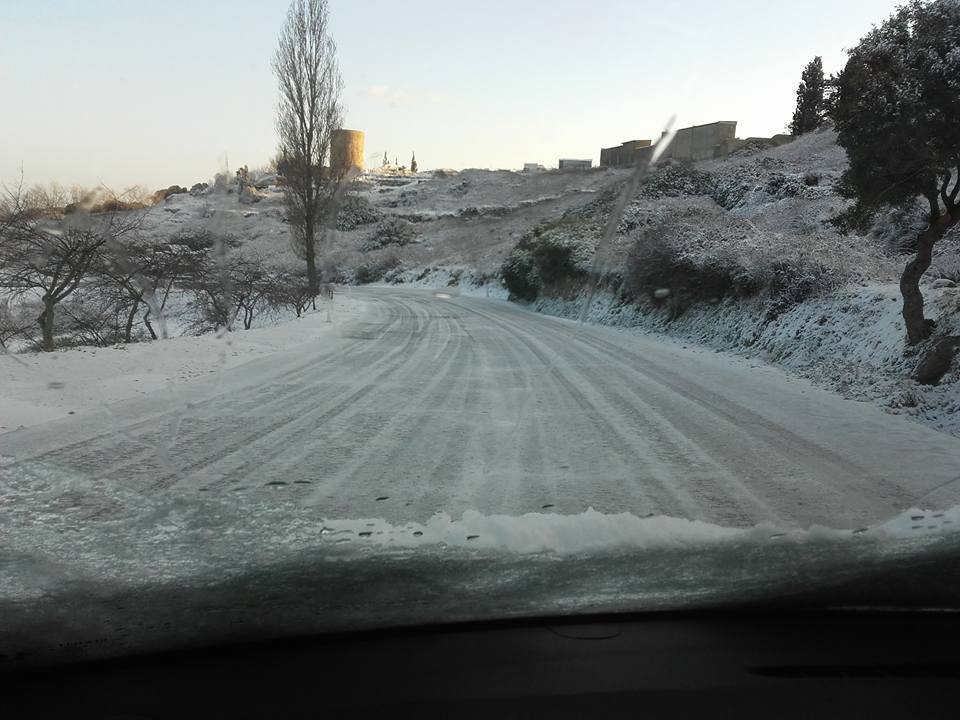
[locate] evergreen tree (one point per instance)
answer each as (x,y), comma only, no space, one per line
(897,114)
(413,163)
(810,103)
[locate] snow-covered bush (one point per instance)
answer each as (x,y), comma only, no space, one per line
(520,276)
(661,259)
(559,255)
(356,212)
(676,180)
(391,231)
(946,257)
(550,254)
(705,255)
(896,229)
(374,269)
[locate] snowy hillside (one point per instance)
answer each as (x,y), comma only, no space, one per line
(469,219)
(739,254)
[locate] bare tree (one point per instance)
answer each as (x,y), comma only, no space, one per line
(288,288)
(308,112)
(48,260)
(146,271)
(226,289)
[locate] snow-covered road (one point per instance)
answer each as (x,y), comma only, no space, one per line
(424,403)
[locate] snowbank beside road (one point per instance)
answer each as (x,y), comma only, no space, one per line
(39,387)
(850,341)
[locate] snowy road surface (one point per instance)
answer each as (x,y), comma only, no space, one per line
(424,403)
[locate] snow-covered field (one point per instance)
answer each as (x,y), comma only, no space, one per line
(39,387)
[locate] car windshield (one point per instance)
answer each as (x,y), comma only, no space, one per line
(321,316)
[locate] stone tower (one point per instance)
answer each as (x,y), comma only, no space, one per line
(346,151)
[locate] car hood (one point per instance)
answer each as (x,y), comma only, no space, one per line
(185,572)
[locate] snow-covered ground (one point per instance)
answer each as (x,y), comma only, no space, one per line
(850,341)
(770,205)
(39,387)
(426,439)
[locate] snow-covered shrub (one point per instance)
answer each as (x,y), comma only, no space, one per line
(758,183)
(374,269)
(946,257)
(676,180)
(354,213)
(391,231)
(781,185)
(559,256)
(705,255)
(552,253)
(730,190)
(520,276)
(659,261)
(896,229)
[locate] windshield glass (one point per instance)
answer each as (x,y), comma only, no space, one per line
(326,315)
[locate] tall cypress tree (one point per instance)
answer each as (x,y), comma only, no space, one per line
(810,99)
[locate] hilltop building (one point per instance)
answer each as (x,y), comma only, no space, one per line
(570,164)
(699,142)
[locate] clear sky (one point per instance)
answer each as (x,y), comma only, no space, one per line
(123,92)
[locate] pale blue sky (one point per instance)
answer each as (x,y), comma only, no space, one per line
(125,92)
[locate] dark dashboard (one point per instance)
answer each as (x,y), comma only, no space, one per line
(836,664)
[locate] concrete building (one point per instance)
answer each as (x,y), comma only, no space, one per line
(346,151)
(569,164)
(700,142)
(623,155)
(533,167)
(703,142)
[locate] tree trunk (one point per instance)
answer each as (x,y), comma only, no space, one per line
(46,325)
(146,321)
(310,251)
(128,330)
(920,328)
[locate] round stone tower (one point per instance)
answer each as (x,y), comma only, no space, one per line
(346,151)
